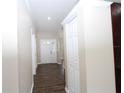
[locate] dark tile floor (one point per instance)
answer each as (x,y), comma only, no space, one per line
(49,79)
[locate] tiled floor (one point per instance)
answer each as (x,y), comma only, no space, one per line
(49,79)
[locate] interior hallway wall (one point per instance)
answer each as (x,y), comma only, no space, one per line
(16,50)
(99,49)
(24,48)
(61,46)
(96,58)
(10,82)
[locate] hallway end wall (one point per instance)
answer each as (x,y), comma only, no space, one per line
(41,35)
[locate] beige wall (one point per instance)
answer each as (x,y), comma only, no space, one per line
(95,48)
(24,49)
(10,51)
(81,45)
(16,48)
(47,35)
(9,62)
(99,50)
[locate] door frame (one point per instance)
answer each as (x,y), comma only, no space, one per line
(34,52)
(52,39)
(71,16)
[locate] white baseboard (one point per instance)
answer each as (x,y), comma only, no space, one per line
(32,88)
(47,63)
(66,90)
(59,63)
(38,63)
(63,66)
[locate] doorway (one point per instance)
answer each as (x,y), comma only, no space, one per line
(48,51)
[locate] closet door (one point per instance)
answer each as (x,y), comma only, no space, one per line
(73,58)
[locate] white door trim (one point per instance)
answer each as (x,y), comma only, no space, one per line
(49,59)
(34,52)
(66,90)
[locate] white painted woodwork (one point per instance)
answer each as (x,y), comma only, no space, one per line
(48,51)
(34,56)
(73,58)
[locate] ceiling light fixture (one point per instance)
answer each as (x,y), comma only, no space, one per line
(49,18)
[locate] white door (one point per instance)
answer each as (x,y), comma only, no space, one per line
(48,51)
(72,56)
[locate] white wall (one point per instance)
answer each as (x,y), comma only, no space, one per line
(99,49)
(9,48)
(24,48)
(81,46)
(95,47)
(9,62)
(16,48)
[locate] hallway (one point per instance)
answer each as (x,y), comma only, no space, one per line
(49,79)
(61,46)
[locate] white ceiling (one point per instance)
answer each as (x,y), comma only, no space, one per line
(114,0)
(56,9)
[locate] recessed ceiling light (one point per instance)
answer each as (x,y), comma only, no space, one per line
(49,18)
